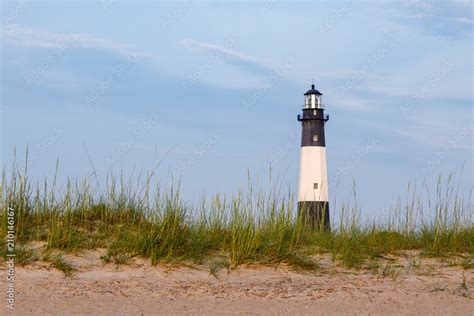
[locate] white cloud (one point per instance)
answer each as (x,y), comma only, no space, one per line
(350,103)
(40,38)
(430,134)
(464,20)
(457,14)
(224,50)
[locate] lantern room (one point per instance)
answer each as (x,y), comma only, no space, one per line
(312,99)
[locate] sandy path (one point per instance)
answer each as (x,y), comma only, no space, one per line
(139,289)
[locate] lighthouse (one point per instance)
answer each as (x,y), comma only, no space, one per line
(313,205)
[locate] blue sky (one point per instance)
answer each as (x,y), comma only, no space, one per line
(212,90)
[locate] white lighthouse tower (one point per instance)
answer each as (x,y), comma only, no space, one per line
(313,203)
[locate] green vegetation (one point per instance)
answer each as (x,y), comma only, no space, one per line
(251,227)
(61,264)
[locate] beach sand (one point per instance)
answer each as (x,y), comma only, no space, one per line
(137,288)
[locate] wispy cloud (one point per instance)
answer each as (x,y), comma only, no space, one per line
(351,103)
(429,135)
(439,18)
(225,52)
(31,37)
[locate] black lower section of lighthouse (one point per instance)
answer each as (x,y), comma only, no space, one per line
(315,214)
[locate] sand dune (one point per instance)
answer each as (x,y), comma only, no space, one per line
(136,288)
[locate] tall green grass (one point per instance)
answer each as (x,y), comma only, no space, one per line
(251,227)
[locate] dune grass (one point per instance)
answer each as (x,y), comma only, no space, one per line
(250,227)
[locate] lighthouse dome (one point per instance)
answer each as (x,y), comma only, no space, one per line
(313,91)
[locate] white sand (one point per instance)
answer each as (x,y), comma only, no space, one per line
(137,288)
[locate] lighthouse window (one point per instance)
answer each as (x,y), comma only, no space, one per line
(315,186)
(315,138)
(308,101)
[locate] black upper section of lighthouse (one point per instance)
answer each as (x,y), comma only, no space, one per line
(313,91)
(313,119)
